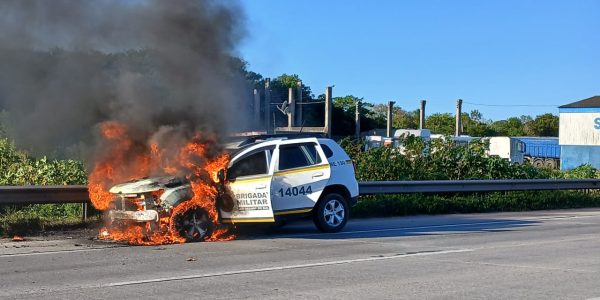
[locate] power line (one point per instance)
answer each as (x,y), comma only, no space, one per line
(513,105)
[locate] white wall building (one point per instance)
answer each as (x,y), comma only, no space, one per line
(579,133)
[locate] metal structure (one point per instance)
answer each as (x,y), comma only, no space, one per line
(79,193)
(449,186)
(51,194)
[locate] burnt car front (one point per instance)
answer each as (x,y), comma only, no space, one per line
(148,199)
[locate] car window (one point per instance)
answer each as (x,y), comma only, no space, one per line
(328,152)
(297,156)
(254,164)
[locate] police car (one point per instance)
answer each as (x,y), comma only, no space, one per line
(283,176)
(272,179)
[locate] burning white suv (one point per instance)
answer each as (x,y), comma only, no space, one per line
(271,179)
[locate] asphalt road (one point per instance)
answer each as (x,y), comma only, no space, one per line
(537,255)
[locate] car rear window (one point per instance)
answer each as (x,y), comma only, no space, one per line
(328,152)
(297,156)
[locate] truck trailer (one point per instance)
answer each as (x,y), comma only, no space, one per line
(542,151)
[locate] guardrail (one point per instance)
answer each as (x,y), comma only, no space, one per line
(47,194)
(79,193)
(447,186)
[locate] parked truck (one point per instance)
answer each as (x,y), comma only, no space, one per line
(507,147)
(542,151)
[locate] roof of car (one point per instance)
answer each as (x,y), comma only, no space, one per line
(241,145)
(278,136)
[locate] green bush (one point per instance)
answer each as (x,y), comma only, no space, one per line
(442,159)
(18,168)
(439,159)
(411,204)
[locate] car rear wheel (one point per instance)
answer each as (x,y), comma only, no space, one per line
(194,225)
(331,213)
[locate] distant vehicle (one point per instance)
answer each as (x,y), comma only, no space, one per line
(424,134)
(542,151)
(507,147)
(272,178)
(461,140)
(376,141)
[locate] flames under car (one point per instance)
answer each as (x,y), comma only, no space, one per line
(148,200)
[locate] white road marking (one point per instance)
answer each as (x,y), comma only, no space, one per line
(513,266)
(320,264)
(53,252)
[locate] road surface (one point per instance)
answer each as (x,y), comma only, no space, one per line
(529,255)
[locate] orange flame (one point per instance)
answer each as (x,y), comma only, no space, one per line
(125,160)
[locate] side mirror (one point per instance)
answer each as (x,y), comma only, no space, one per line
(221,176)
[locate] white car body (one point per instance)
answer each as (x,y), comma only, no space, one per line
(271,178)
(283,191)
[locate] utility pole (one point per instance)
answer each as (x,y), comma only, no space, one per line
(256,108)
(291,108)
(357,120)
(267,106)
(328,110)
(299,106)
(458,129)
(390,109)
(422,115)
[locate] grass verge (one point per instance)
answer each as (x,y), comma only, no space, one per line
(32,219)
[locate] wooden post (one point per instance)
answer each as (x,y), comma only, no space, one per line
(291,108)
(256,108)
(267,106)
(299,106)
(328,110)
(458,129)
(390,110)
(357,120)
(422,115)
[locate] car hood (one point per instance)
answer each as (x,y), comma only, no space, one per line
(148,184)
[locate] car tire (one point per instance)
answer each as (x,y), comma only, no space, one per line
(194,225)
(331,213)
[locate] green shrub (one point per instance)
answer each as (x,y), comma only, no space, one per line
(411,204)
(18,168)
(442,159)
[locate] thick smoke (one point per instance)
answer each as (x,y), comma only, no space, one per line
(162,68)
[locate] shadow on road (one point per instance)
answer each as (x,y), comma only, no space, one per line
(388,227)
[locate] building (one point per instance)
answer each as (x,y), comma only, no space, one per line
(579,133)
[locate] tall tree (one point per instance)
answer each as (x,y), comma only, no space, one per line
(510,127)
(475,125)
(344,114)
(441,123)
(545,125)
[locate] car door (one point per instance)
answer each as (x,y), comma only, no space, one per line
(249,180)
(301,174)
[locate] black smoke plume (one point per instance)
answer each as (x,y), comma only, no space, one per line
(165,69)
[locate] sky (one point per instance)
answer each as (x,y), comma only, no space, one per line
(503,58)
